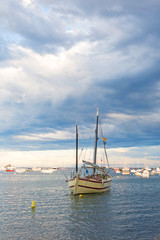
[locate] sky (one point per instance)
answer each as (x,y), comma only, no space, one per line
(60,60)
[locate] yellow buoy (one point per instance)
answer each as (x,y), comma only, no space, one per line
(80,195)
(117,176)
(33,204)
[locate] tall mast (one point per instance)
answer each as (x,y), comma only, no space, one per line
(96,137)
(76,148)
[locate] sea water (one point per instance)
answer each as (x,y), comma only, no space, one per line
(129,210)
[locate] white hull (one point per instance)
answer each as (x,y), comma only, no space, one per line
(21,170)
(153,172)
(158,170)
(138,174)
(145,174)
(79,185)
(36,169)
(47,170)
(125,173)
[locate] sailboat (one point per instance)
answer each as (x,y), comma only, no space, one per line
(93,178)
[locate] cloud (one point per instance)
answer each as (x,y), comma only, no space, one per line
(58,135)
(118,157)
(60,60)
(37,158)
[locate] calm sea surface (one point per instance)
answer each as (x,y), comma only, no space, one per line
(130,210)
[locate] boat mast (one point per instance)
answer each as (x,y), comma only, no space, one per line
(76,148)
(96,137)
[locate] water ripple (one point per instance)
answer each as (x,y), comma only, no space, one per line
(130,210)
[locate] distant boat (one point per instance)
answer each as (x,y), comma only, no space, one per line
(56,169)
(148,169)
(47,170)
(138,173)
(145,174)
(158,170)
(20,170)
(36,169)
(153,172)
(29,170)
(10,169)
(92,178)
(125,171)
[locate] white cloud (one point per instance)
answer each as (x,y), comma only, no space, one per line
(121,116)
(55,77)
(52,158)
(48,76)
(118,157)
(58,54)
(140,118)
(27,2)
(135,156)
(52,136)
